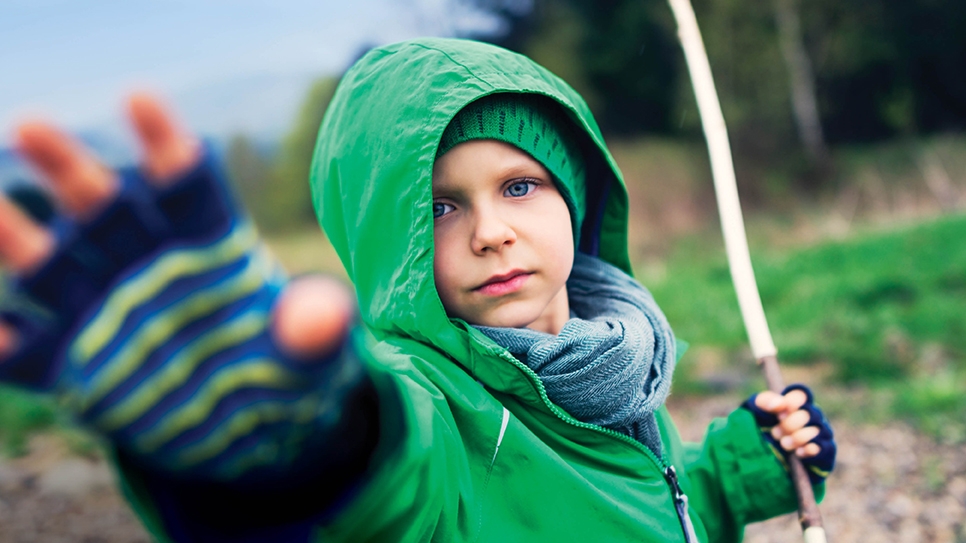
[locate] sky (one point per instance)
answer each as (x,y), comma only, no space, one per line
(228,66)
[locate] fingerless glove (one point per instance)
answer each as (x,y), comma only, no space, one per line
(151,323)
(818,466)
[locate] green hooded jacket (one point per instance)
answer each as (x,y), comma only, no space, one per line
(471,448)
(480,453)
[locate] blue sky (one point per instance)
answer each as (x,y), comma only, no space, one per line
(228,65)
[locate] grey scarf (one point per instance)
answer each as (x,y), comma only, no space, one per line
(612,364)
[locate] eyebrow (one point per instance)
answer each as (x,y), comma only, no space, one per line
(520,170)
(524,170)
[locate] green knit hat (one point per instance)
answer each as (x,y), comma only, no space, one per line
(534,125)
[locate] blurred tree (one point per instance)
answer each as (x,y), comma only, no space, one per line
(276,188)
(554,40)
(632,61)
(881,68)
(519,19)
(251,172)
(750,75)
(801,80)
(888,68)
(620,55)
(291,198)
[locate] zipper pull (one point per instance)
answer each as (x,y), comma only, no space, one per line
(681,505)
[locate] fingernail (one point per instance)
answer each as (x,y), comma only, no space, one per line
(787,443)
(800,452)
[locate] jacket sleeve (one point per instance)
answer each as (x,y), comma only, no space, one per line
(420,476)
(408,488)
(734,478)
(314,467)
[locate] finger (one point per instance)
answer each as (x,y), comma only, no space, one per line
(791,402)
(8,341)
(808,450)
(794,422)
(24,244)
(80,181)
(769,401)
(799,438)
(795,399)
(312,317)
(168,150)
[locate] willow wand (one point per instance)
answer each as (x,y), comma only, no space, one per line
(736,242)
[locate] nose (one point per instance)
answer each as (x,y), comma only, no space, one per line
(491,232)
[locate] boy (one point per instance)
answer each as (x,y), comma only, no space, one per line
(513,386)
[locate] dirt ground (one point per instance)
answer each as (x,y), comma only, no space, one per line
(890,485)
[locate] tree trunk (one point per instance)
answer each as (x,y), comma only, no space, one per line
(801,80)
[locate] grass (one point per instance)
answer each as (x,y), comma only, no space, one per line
(21,414)
(884,311)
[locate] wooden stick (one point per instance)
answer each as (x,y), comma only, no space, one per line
(808,514)
(736,241)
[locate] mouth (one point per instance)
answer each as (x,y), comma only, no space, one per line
(506,283)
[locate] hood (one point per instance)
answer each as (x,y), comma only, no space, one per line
(372,176)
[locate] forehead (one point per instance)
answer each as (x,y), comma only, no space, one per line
(479,161)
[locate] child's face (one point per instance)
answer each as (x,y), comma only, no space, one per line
(503,238)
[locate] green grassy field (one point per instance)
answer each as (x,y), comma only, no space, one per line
(884,312)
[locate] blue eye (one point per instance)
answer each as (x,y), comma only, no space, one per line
(440,209)
(520,188)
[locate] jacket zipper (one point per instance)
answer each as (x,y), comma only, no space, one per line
(681,505)
(670,475)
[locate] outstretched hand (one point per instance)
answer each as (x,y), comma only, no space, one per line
(311,316)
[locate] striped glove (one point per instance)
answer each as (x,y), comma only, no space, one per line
(150,322)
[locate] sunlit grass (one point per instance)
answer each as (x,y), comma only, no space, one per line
(886,310)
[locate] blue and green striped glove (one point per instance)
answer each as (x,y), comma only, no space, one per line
(151,322)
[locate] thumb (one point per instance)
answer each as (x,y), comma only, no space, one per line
(312,317)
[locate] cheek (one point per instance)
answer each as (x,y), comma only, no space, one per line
(554,240)
(560,233)
(563,256)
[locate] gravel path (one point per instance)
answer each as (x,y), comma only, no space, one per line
(890,485)
(52,496)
